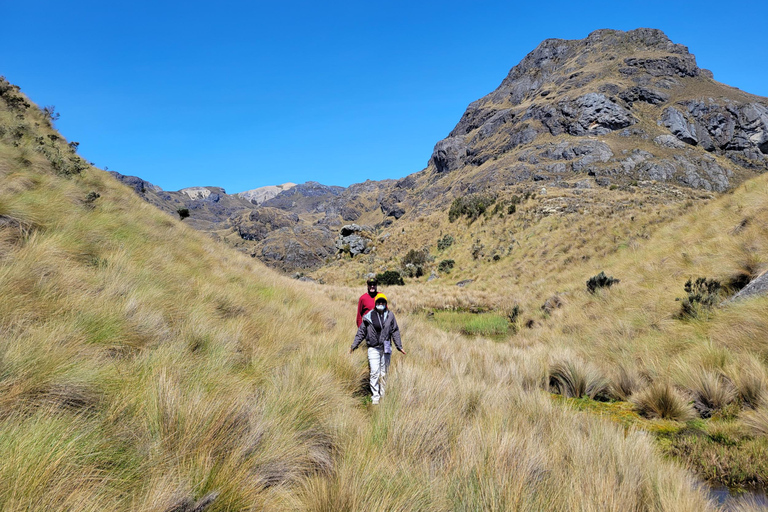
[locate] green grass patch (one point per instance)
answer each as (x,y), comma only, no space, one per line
(721,451)
(491,325)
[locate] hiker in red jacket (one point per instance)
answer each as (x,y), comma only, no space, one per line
(366,302)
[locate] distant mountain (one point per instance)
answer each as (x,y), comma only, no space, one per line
(614,110)
(261,194)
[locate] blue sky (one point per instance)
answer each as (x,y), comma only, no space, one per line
(246,94)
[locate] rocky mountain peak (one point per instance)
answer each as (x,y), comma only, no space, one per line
(637,85)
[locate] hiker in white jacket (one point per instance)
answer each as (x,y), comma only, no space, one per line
(379,329)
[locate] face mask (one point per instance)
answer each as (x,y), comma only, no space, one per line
(381,308)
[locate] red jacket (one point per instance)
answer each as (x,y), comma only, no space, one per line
(364,305)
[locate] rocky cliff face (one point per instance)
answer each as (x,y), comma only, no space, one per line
(618,105)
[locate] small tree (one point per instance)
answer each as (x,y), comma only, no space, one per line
(183,213)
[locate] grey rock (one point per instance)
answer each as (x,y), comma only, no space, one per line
(351,229)
(137,184)
(736,130)
(757,287)
(351,240)
(593,152)
(677,124)
(673,65)
(465,282)
(644,94)
(603,181)
(592,113)
(637,157)
(662,170)
(599,115)
(584,184)
(703,173)
(449,154)
(558,168)
(669,141)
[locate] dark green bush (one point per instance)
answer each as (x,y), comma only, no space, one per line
(446,266)
(390,278)
(600,281)
(700,294)
(445,242)
(471,206)
(91,198)
(183,213)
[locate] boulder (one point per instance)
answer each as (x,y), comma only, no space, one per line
(449,154)
(351,240)
(669,141)
(757,287)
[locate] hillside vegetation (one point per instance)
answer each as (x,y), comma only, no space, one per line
(146,367)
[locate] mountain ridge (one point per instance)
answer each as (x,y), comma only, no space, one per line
(611,110)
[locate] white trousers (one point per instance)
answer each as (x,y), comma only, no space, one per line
(378,362)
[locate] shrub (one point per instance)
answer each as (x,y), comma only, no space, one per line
(50,114)
(445,242)
(574,379)
(390,278)
(600,281)
(414,257)
(702,294)
(471,206)
(446,266)
(662,400)
(91,198)
(183,213)
(511,208)
(413,262)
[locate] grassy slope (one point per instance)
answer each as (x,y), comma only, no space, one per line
(653,239)
(143,365)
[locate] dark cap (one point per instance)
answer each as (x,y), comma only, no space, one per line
(373,280)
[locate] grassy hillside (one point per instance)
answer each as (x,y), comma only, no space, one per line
(145,367)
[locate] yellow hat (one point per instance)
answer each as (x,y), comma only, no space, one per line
(380,296)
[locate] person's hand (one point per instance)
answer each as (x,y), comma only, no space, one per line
(401,351)
(350,350)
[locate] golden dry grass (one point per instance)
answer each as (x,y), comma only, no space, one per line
(145,367)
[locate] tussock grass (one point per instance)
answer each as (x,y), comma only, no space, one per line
(712,391)
(662,400)
(624,383)
(573,378)
(757,419)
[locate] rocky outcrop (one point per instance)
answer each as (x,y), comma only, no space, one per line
(591,113)
(298,247)
(738,131)
(354,240)
(137,184)
(757,287)
(256,224)
(449,154)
